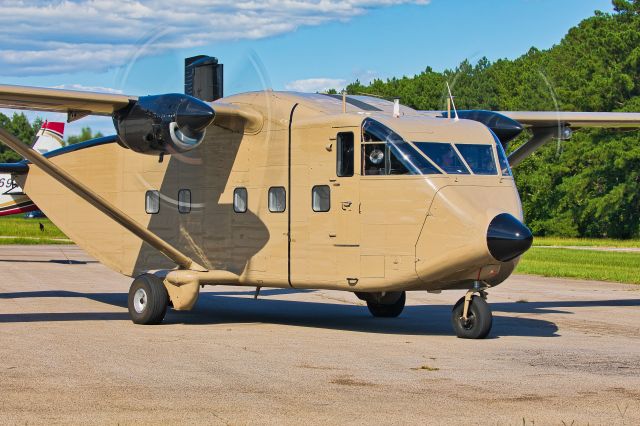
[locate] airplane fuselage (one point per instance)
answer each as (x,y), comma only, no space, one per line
(376,227)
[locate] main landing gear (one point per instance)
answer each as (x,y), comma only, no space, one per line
(471,316)
(148,300)
(385,305)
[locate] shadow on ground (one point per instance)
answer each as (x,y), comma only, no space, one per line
(228,307)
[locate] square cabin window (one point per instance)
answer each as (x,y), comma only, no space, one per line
(184,201)
(240,200)
(152,202)
(321,198)
(277,199)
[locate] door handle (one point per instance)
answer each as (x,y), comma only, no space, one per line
(346,205)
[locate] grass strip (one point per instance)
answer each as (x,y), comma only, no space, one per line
(583,264)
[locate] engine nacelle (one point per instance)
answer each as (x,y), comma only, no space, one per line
(163,124)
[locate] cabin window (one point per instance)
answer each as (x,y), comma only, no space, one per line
(240,200)
(321,198)
(479,158)
(444,156)
(184,201)
(152,202)
(344,152)
(277,199)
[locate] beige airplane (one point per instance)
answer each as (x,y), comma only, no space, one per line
(291,190)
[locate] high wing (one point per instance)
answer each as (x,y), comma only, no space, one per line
(547,125)
(75,103)
(539,119)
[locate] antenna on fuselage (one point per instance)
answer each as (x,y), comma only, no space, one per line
(450,103)
(344,101)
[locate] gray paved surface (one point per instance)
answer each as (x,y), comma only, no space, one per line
(560,351)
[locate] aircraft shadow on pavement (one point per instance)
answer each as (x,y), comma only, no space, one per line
(226,307)
(60,261)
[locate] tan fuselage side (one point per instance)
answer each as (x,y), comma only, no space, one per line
(381,232)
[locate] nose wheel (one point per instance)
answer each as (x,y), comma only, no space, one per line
(471,316)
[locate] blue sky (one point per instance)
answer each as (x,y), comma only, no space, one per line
(138,47)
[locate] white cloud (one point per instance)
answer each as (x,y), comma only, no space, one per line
(61,36)
(316,84)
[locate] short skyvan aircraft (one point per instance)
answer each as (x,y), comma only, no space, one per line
(290,190)
(13,200)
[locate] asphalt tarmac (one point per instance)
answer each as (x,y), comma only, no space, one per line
(560,352)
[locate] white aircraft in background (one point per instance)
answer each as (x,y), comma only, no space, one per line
(12,199)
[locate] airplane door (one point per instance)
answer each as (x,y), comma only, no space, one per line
(346,192)
(324,208)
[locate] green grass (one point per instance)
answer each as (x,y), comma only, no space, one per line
(27,231)
(591,242)
(584,264)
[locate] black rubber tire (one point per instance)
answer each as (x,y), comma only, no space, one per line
(479,321)
(155,304)
(391,310)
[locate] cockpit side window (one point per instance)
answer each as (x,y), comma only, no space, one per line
(444,156)
(502,157)
(384,152)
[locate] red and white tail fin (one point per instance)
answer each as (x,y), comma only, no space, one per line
(49,137)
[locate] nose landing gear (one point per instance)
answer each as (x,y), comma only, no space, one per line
(471,316)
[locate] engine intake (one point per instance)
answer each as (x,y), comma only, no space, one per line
(163,124)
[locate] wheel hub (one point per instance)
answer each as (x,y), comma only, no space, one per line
(140,300)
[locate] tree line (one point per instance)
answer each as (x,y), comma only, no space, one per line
(588,186)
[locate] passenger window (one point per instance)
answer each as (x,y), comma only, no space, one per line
(344,161)
(152,202)
(240,200)
(321,198)
(184,201)
(277,199)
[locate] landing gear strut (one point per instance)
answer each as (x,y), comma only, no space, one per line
(148,300)
(471,316)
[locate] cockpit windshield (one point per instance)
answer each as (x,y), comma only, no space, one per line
(479,158)
(384,152)
(444,156)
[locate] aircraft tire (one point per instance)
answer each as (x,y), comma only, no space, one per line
(389,310)
(148,300)
(478,324)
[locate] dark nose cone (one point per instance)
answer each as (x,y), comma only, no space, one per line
(507,237)
(193,116)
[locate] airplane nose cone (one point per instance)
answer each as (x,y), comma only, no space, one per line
(507,237)
(193,116)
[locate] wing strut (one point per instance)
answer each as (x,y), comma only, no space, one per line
(541,135)
(182,260)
